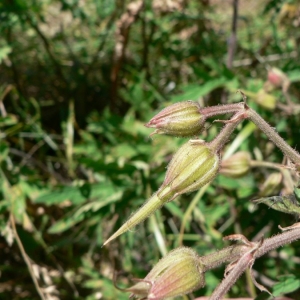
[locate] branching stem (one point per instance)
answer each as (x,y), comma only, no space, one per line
(243,256)
(242,111)
(292,154)
(232,253)
(218,143)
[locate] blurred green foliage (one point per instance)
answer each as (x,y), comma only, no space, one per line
(76,160)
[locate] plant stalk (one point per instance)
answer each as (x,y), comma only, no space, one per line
(221,109)
(218,142)
(292,154)
(235,252)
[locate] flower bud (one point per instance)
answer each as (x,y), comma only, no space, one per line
(192,166)
(178,273)
(278,79)
(236,165)
(272,185)
(180,119)
(265,99)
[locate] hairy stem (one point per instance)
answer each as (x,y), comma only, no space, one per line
(235,252)
(221,109)
(228,254)
(278,240)
(218,142)
(292,154)
(235,273)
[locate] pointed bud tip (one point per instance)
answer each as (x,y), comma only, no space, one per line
(109,240)
(150,124)
(153,204)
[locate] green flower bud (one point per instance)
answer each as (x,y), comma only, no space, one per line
(272,185)
(178,273)
(265,100)
(180,119)
(236,165)
(193,166)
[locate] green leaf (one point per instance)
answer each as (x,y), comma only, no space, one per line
(111,168)
(294,75)
(3,151)
(65,223)
(77,194)
(9,120)
(4,51)
(195,91)
(287,204)
(174,209)
(287,284)
(79,215)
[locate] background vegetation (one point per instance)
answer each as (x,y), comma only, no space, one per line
(78,80)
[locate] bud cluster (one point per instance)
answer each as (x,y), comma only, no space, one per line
(194,165)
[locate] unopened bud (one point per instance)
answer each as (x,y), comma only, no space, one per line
(278,79)
(265,99)
(178,273)
(180,119)
(236,165)
(272,185)
(192,166)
